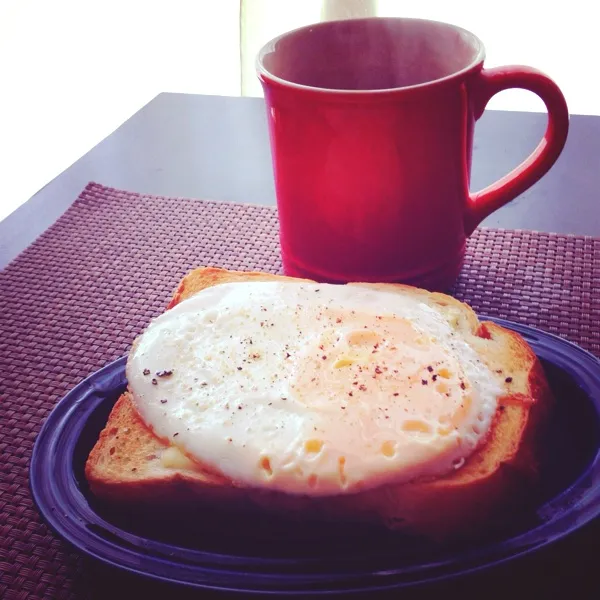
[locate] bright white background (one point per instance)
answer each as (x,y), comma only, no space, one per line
(71,71)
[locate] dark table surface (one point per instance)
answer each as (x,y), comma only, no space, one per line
(217,147)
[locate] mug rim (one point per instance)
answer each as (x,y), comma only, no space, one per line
(266,76)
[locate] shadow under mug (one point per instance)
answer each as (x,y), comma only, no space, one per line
(371,125)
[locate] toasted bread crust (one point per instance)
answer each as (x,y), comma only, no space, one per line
(128,464)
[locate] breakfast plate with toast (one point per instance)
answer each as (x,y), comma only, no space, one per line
(272,434)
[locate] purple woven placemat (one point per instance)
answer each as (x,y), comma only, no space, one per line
(75,299)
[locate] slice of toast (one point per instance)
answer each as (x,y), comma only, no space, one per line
(129,464)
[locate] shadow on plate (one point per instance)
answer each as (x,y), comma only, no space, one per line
(572,442)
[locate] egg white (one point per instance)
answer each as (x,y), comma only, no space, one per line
(312,389)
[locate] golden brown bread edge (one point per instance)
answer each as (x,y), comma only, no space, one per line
(129,465)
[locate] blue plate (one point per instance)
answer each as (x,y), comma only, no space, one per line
(213,551)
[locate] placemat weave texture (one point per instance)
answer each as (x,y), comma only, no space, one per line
(75,299)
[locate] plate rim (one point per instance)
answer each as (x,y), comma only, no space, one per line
(78,393)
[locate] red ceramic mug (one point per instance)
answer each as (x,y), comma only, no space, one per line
(371,124)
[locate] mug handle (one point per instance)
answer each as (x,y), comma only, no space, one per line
(489,82)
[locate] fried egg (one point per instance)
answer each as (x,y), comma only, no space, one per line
(312,389)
